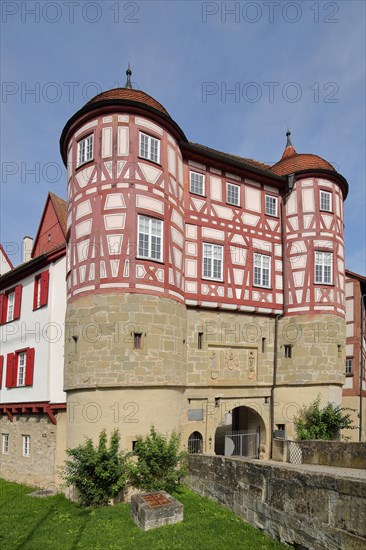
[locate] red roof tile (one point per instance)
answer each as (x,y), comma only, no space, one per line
(130,95)
(297,162)
(246,161)
(60,207)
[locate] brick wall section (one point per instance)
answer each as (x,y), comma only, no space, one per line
(308,508)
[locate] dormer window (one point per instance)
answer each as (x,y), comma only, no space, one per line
(85,150)
(149,148)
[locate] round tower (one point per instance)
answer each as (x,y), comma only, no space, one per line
(125,320)
(311,351)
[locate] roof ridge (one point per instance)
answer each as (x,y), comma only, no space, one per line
(258,163)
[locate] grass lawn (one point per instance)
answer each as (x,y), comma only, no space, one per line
(56,523)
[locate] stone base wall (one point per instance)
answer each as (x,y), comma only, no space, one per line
(47,449)
(314,510)
(334,453)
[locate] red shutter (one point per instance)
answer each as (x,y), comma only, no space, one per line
(1,369)
(10,381)
(35,291)
(3,308)
(45,277)
(29,367)
(17,301)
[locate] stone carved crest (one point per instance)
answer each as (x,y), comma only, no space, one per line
(231,360)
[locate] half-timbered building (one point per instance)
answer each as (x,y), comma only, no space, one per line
(205,291)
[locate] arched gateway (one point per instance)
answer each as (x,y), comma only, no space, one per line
(241,434)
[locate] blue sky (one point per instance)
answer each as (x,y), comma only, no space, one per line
(300,64)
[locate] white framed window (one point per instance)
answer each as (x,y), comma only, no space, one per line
(262,270)
(196,183)
(149,148)
(150,235)
(323,267)
(85,149)
(349,365)
(271,205)
(212,261)
(26,445)
(10,308)
(325,201)
(5,447)
(233,194)
(22,363)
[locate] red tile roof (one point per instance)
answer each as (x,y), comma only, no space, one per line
(246,161)
(297,162)
(60,207)
(130,95)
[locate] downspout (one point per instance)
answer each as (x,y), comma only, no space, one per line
(290,186)
(361,367)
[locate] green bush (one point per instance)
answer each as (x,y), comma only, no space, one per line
(314,422)
(98,472)
(159,464)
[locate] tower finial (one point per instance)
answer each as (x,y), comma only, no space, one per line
(128,81)
(288,134)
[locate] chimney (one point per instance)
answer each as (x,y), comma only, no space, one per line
(27,248)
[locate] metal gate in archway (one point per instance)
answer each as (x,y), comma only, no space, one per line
(242,443)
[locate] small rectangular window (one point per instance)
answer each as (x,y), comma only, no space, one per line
(288,351)
(233,194)
(271,205)
(10,309)
(212,261)
(150,234)
(263,344)
(26,445)
(22,363)
(262,270)
(137,340)
(323,267)
(197,183)
(200,340)
(5,444)
(40,292)
(85,150)
(325,201)
(349,366)
(149,148)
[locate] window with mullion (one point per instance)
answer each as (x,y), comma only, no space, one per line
(262,270)
(10,310)
(22,363)
(149,148)
(85,150)
(323,267)
(212,261)
(197,183)
(233,194)
(326,201)
(150,238)
(26,445)
(271,205)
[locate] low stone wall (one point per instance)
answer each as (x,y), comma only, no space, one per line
(307,508)
(334,453)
